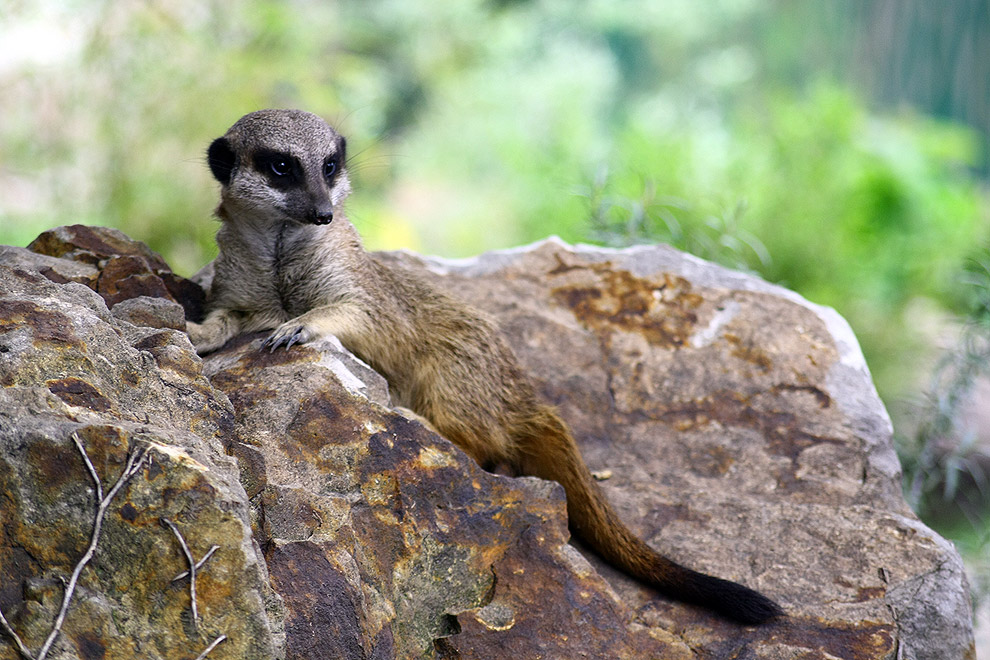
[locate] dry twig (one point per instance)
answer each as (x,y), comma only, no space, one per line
(199,564)
(212,646)
(135,458)
(23,650)
(193,566)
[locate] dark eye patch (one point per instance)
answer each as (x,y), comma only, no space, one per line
(333,162)
(281,169)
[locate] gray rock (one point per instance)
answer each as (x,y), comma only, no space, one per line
(743,435)
(69,369)
(737,422)
(151,312)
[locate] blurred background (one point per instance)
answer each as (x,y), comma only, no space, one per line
(838,148)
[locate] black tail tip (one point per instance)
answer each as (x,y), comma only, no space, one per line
(733,601)
(749,607)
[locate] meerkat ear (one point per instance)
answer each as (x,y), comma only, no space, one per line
(222,160)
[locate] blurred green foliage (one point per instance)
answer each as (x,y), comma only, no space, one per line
(872,215)
(729,128)
(947,477)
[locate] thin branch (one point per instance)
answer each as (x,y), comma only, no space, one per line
(17,640)
(199,564)
(212,646)
(89,466)
(192,567)
(134,461)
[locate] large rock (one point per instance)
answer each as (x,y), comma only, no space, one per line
(738,423)
(69,367)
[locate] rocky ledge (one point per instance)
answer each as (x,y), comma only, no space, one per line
(734,424)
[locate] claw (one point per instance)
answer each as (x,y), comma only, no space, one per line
(275,340)
(294,339)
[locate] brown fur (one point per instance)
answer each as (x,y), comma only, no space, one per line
(444,360)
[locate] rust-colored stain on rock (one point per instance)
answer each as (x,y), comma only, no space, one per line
(162,347)
(805,639)
(322,419)
(867,640)
(129,277)
(243,395)
(533,588)
(663,311)
(128,268)
(90,646)
(77,392)
(323,608)
(748,352)
(92,245)
(54,276)
(781,429)
(47,325)
(55,464)
(711,460)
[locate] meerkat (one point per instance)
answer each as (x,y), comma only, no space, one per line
(291,262)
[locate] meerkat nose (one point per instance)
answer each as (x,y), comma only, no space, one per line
(321,216)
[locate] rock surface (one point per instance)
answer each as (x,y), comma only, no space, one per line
(737,422)
(70,368)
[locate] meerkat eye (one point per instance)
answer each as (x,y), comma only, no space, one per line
(329,169)
(281,167)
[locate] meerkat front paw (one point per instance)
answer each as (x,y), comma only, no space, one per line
(287,334)
(197,335)
(339,320)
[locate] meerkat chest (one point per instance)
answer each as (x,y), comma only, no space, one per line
(253,272)
(302,275)
(283,271)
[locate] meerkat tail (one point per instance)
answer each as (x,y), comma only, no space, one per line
(548,450)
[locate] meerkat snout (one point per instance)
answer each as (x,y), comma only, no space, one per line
(322,210)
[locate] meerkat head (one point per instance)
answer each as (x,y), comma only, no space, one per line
(286,164)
